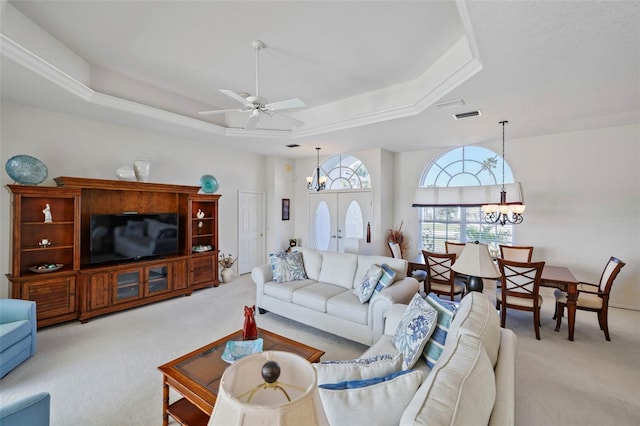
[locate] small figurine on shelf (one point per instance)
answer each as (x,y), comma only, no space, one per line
(200,214)
(249,331)
(47,214)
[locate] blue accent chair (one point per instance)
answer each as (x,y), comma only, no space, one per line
(18,326)
(32,410)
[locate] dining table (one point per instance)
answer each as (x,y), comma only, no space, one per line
(562,278)
(552,276)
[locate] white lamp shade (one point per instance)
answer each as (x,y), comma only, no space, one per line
(268,406)
(476,261)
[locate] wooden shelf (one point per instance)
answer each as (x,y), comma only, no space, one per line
(187,414)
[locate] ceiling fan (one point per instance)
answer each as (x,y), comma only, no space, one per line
(257,105)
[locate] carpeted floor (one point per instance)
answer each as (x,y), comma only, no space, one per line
(105,372)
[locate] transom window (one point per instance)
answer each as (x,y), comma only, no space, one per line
(463,166)
(345,172)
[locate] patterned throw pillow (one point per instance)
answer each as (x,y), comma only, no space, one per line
(368,284)
(386,279)
(416,326)
(287,267)
(446,310)
(357,369)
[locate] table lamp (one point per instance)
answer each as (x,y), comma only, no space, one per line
(269,388)
(475,261)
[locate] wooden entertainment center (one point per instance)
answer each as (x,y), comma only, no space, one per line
(76,289)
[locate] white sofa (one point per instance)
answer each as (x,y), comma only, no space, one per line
(471,383)
(326,300)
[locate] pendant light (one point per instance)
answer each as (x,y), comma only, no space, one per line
(317,182)
(503,213)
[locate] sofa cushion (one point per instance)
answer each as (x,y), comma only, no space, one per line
(347,306)
(357,369)
(386,279)
(384,345)
(433,349)
(416,326)
(478,317)
(13,332)
(284,291)
(365,289)
(460,390)
(287,267)
(315,296)
(338,269)
(312,260)
(377,404)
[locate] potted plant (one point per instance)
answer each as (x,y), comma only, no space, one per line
(396,235)
(226,261)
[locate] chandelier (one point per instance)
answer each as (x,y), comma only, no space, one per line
(317,182)
(503,212)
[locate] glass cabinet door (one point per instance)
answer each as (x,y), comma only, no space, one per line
(157,279)
(127,285)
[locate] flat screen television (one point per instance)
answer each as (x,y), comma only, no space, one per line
(119,238)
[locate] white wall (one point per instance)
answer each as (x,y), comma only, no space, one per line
(72,146)
(582,191)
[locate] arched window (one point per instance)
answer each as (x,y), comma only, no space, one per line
(463,166)
(345,172)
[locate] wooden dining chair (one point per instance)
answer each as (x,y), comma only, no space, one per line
(440,277)
(592,297)
(520,289)
(516,253)
(396,252)
(452,247)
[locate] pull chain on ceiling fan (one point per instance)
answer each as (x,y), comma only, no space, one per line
(255,104)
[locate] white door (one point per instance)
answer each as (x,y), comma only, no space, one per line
(251,243)
(336,218)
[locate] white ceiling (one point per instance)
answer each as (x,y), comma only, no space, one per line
(370,72)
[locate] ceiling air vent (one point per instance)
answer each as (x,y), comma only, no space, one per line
(466,114)
(292,145)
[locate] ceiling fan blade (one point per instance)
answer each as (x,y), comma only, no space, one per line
(219,111)
(253,120)
(288,104)
(295,122)
(235,96)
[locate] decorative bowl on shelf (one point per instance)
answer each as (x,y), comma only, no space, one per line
(236,349)
(47,267)
(26,170)
(201,248)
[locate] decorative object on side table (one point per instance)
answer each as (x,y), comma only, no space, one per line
(142,167)
(397,235)
(475,261)
(47,214)
(237,349)
(44,243)
(226,261)
(209,184)
(287,394)
(249,330)
(26,170)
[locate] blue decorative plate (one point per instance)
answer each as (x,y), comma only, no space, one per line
(26,170)
(236,349)
(209,184)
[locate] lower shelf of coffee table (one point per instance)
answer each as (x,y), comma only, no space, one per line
(187,413)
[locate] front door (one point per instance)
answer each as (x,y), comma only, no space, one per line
(338,219)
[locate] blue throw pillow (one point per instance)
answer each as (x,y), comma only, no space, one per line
(287,267)
(416,326)
(446,311)
(368,284)
(386,279)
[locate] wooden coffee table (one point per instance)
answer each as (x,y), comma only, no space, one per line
(196,376)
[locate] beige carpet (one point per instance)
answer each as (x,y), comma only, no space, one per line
(105,372)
